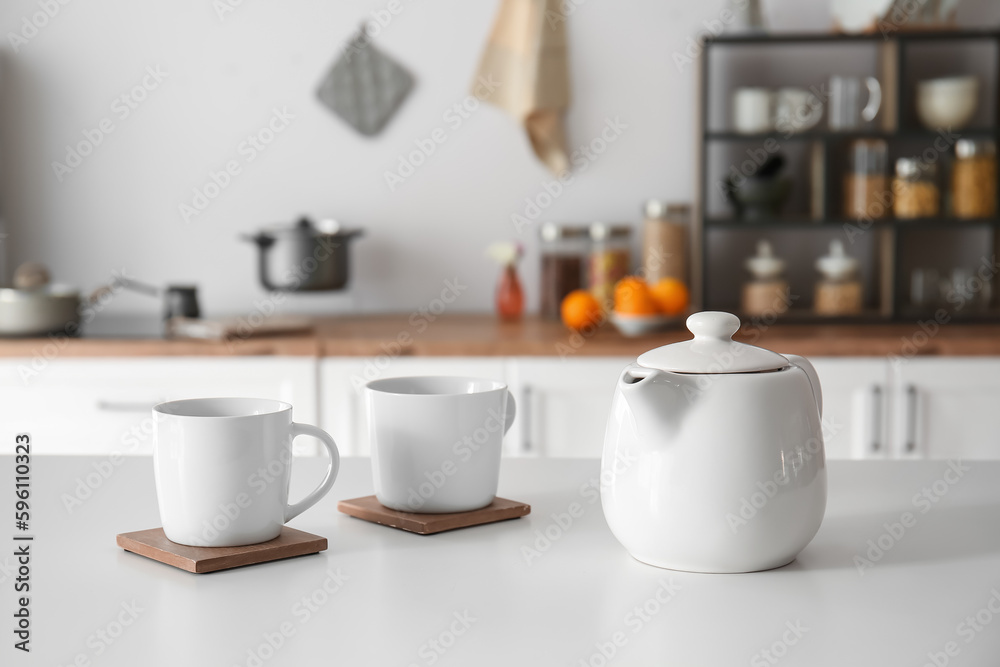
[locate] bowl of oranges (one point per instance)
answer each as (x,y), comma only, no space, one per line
(641,308)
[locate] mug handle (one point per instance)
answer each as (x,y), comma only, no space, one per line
(874,99)
(509,414)
(292,511)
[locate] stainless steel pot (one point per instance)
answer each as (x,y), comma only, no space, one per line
(36,312)
(304,257)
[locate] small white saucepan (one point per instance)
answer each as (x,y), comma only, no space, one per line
(44,310)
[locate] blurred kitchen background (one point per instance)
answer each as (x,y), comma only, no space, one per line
(824,168)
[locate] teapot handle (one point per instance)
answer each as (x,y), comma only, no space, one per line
(807,366)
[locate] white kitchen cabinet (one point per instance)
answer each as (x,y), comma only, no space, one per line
(947,408)
(103,405)
(937,407)
(562,403)
(855,406)
(341,401)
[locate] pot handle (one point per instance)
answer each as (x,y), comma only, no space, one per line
(260,240)
(810,371)
(263,243)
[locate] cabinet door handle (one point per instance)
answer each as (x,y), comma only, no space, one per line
(876,423)
(524,414)
(910,443)
(126,406)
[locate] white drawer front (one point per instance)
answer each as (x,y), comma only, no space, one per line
(99,406)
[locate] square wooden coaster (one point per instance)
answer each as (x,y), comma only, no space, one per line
(154,544)
(370,509)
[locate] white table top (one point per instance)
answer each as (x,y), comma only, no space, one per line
(401,595)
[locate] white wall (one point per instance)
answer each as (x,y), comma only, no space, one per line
(119,209)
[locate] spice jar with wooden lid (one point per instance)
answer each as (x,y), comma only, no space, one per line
(768,293)
(839,292)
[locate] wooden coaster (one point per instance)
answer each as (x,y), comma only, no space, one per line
(154,544)
(370,509)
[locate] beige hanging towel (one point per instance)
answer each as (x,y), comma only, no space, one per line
(525,59)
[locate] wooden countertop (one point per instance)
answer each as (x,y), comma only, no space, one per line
(483,335)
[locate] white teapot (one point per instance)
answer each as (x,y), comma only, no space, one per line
(713,454)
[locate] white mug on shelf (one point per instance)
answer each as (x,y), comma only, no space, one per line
(436,441)
(753,110)
(846,110)
(223,466)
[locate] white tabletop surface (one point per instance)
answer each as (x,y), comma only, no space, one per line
(400,595)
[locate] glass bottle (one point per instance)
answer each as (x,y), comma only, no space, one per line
(510,296)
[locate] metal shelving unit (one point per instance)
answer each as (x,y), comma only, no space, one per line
(894,55)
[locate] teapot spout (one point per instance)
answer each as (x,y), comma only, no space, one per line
(652,397)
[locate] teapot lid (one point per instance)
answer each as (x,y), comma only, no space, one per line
(712,350)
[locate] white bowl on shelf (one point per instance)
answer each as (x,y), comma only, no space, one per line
(947,103)
(633,326)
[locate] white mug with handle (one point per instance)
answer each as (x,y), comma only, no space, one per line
(436,441)
(846,110)
(223,467)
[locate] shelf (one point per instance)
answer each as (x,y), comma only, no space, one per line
(793,38)
(915,316)
(804,316)
(900,58)
(806,223)
(907,316)
(831,135)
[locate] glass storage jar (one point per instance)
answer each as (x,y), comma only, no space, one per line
(914,190)
(866,184)
(664,241)
(974,179)
(610,259)
(563,250)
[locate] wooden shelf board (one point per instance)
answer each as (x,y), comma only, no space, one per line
(876,37)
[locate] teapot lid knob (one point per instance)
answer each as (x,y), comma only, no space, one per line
(712,350)
(713,324)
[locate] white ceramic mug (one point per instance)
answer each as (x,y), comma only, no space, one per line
(436,441)
(753,110)
(223,466)
(846,110)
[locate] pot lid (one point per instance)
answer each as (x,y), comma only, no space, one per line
(307,228)
(712,349)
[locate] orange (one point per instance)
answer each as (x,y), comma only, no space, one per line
(632,297)
(671,296)
(580,310)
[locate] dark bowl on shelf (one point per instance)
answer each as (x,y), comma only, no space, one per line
(760,198)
